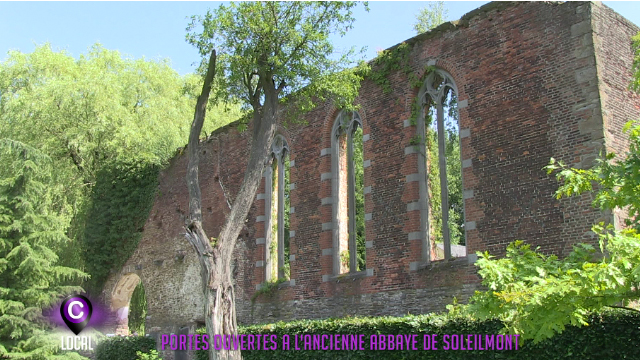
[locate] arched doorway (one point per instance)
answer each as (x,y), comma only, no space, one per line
(121,301)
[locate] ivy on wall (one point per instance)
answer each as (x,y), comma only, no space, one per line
(119,206)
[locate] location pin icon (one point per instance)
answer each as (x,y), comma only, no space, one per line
(76,311)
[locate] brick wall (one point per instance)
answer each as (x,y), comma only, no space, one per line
(535,81)
(611,36)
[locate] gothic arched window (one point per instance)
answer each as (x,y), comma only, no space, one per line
(439,166)
(347,193)
(276,210)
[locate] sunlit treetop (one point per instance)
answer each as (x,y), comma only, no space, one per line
(279,47)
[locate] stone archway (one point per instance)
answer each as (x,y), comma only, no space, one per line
(120,298)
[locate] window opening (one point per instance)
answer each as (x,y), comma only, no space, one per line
(277,206)
(348,190)
(443,216)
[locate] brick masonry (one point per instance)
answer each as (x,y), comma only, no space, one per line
(535,81)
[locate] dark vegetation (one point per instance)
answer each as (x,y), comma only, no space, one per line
(611,336)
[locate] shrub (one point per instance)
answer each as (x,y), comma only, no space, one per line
(611,336)
(124,348)
(152,355)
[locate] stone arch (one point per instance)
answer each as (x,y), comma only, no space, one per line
(120,298)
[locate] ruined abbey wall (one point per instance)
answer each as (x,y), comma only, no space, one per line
(535,81)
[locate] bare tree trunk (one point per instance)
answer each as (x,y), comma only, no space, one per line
(220,310)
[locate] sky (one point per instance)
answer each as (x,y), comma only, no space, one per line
(156,30)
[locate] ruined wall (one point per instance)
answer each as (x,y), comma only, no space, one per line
(611,37)
(535,81)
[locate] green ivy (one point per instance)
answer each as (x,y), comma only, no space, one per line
(120,203)
(613,335)
(389,61)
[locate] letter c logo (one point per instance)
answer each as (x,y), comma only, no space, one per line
(69,309)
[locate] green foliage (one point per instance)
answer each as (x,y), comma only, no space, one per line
(612,336)
(287,222)
(267,289)
(433,184)
(280,49)
(99,107)
(138,310)
(202,354)
(273,246)
(124,348)
(119,206)
(33,220)
(151,355)
(538,295)
(389,61)
(617,181)
(454,173)
(92,116)
(345,256)
(429,17)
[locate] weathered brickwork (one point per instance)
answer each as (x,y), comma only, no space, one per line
(611,33)
(535,81)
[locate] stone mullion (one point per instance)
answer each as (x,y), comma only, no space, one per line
(281,216)
(423,188)
(444,189)
(352,200)
(335,200)
(268,190)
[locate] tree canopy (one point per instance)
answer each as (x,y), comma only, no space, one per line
(33,223)
(101,118)
(429,17)
(82,140)
(281,44)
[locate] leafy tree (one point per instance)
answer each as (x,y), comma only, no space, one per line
(429,17)
(108,123)
(270,54)
(100,107)
(537,295)
(617,184)
(33,221)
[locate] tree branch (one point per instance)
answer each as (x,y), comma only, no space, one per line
(622,307)
(281,86)
(195,197)
(306,37)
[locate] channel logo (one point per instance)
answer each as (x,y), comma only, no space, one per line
(76,312)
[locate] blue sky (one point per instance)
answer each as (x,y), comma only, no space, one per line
(157,29)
